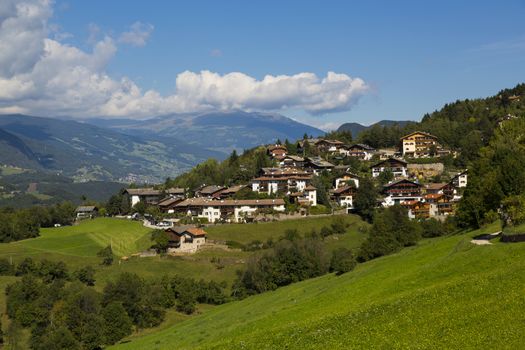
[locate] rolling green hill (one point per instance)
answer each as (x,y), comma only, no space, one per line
(443,293)
(78,245)
(83,240)
(273,230)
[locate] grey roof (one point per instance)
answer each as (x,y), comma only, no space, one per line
(143,192)
(321,163)
(209,190)
(295,158)
(86,209)
(175,190)
(362,146)
(166,202)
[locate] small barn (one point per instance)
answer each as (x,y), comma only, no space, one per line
(86,211)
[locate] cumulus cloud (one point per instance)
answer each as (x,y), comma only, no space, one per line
(43,76)
(138,34)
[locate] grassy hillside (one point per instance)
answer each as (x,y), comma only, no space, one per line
(444,293)
(83,240)
(264,231)
(78,245)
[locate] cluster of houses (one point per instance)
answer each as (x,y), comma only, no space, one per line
(292,177)
(417,144)
(213,203)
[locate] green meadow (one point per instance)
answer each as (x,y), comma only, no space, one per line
(78,245)
(245,233)
(444,293)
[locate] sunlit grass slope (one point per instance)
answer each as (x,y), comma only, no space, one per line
(273,230)
(84,240)
(444,293)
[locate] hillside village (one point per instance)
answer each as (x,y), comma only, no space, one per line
(410,175)
(195,239)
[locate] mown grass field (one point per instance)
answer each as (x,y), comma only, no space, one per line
(445,293)
(82,241)
(245,233)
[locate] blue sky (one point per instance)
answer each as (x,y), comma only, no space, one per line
(414,56)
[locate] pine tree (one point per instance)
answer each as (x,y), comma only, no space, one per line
(366,199)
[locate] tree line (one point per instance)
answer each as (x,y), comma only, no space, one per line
(64,311)
(299,256)
(497,179)
(17,224)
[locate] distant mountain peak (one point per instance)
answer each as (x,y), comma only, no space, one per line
(223,130)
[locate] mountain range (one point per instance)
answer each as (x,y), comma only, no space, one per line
(86,152)
(128,150)
(219,131)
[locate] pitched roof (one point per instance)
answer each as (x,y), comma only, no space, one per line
(175,190)
(283,171)
(461,173)
(362,146)
(283,178)
(343,189)
(176,232)
(321,163)
(143,192)
(332,142)
(310,188)
(166,202)
(85,208)
(203,202)
(393,183)
(233,189)
(294,158)
(274,147)
(435,186)
(173,234)
(196,231)
(209,190)
(419,132)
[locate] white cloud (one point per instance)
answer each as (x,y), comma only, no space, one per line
(138,34)
(22,33)
(94,32)
(42,76)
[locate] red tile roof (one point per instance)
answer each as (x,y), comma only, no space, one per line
(196,231)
